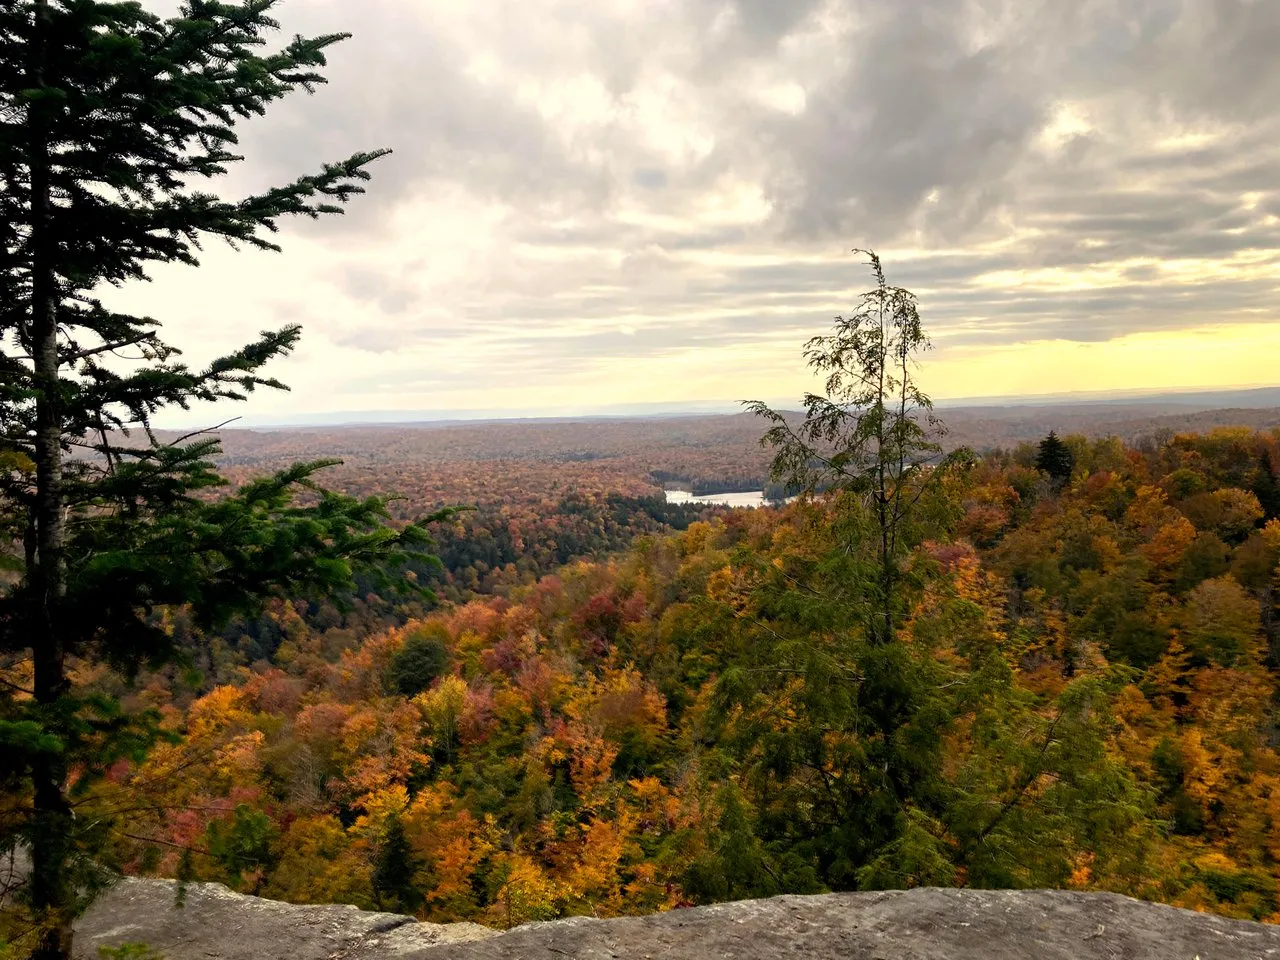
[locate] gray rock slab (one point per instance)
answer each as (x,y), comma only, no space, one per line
(923,924)
(216,923)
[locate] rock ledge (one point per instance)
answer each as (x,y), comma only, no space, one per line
(924,924)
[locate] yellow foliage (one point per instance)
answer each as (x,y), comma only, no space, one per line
(1149,509)
(1204,775)
(1215,860)
(217,710)
(528,894)
(595,876)
(1167,547)
(318,864)
(696,538)
(442,706)
(379,806)
(1271,534)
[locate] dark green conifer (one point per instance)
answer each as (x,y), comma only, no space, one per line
(871,717)
(394,868)
(111,119)
(1266,487)
(873,433)
(419,663)
(1054,458)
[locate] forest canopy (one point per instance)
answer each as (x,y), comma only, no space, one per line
(1089,675)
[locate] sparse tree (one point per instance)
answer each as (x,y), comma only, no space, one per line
(867,706)
(873,435)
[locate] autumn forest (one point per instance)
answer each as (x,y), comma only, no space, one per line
(1087,699)
(499,671)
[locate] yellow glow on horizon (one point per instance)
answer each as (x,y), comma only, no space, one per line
(1222,356)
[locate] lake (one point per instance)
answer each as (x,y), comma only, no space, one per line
(750,498)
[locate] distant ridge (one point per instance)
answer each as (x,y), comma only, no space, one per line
(1237,398)
(637,411)
(1185,400)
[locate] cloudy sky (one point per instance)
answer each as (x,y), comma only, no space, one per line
(595,205)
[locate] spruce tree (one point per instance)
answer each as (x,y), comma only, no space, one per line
(394,869)
(1055,458)
(111,119)
(1266,487)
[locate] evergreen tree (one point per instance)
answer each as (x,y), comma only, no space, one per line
(419,663)
(394,868)
(1266,487)
(873,435)
(110,118)
(1054,458)
(242,845)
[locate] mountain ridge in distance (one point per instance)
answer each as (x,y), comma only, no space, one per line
(1180,400)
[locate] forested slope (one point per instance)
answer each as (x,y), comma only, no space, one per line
(1085,689)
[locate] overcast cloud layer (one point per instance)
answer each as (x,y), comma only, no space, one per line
(654,200)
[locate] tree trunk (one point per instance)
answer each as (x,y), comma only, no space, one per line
(51,890)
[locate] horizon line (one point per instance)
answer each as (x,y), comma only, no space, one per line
(692,408)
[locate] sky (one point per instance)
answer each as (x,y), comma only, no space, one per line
(601,205)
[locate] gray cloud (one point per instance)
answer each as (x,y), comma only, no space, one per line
(623,148)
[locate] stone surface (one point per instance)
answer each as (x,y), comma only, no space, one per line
(217,924)
(926,924)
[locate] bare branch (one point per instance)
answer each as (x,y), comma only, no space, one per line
(204,430)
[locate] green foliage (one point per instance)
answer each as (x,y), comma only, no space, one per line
(418,664)
(1041,786)
(1221,621)
(488,551)
(1171,769)
(1184,482)
(917,857)
(1251,889)
(841,723)
(242,846)
(1266,486)
(873,435)
(855,775)
(737,866)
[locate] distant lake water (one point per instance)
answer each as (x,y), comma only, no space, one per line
(751,498)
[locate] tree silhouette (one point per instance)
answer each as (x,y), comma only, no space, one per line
(1055,458)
